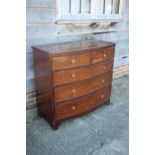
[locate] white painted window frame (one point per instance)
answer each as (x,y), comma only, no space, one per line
(89,18)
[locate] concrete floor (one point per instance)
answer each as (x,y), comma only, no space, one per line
(101,132)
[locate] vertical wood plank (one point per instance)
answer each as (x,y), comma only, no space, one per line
(104,6)
(70,3)
(80,6)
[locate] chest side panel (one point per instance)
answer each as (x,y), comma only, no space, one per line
(43,82)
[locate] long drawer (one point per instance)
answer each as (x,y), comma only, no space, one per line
(84,104)
(71,61)
(81,88)
(82,73)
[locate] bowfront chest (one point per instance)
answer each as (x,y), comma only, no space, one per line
(72,78)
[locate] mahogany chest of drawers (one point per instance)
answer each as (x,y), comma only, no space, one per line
(72,78)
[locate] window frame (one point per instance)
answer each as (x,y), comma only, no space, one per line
(89,18)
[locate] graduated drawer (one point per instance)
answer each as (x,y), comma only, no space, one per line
(82,104)
(82,73)
(102,54)
(81,88)
(71,61)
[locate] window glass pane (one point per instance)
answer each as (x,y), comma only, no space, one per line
(85,6)
(108,6)
(89,9)
(64,7)
(75,6)
(116,6)
(100,6)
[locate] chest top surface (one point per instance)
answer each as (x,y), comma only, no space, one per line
(61,48)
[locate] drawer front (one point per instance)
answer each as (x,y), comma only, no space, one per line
(66,76)
(101,68)
(81,88)
(82,73)
(102,54)
(82,104)
(71,61)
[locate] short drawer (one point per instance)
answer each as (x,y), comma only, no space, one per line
(81,88)
(101,68)
(102,54)
(82,73)
(71,61)
(82,104)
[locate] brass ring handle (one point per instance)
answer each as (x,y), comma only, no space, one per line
(104,55)
(73,60)
(73,91)
(103,81)
(73,75)
(104,67)
(73,107)
(102,96)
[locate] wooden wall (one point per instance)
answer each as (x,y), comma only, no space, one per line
(41,29)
